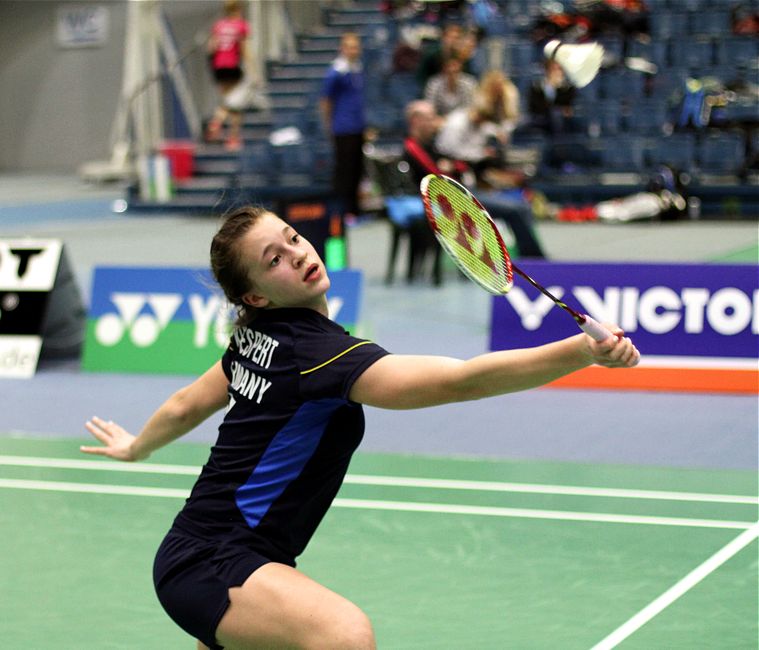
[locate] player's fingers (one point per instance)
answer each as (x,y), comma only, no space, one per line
(99,432)
(97,451)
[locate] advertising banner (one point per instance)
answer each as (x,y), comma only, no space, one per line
(696,325)
(174,320)
(28,268)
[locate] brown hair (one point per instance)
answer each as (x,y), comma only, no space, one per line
(226,261)
(232,7)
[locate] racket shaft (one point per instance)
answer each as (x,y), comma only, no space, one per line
(587,324)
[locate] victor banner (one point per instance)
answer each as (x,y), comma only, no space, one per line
(696,325)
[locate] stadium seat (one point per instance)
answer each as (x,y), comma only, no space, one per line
(738,50)
(677,150)
(668,24)
(647,117)
(623,153)
(696,54)
(722,153)
(710,21)
(620,83)
(521,56)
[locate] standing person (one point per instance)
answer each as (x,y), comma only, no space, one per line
(342,109)
(226,47)
(293,383)
(460,149)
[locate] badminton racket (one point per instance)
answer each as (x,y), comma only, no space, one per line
(466,232)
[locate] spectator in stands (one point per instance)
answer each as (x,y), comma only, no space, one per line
(550,100)
(473,56)
(481,134)
(226,48)
(452,88)
(424,157)
(500,99)
(470,135)
(431,62)
(342,109)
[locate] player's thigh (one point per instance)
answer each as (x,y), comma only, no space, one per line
(279,607)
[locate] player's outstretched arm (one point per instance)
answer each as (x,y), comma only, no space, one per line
(405,381)
(183,411)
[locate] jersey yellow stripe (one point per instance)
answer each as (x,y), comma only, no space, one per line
(337,356)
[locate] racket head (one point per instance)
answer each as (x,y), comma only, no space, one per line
(466,232)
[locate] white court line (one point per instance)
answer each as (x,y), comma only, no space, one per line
(397,481)
(678,589)
(401,506)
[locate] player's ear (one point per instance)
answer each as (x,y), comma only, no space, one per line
(255,301)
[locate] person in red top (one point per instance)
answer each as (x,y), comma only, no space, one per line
(226,47)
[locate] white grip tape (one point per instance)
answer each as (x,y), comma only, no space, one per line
(594,329)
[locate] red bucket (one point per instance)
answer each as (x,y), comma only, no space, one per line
(181,155)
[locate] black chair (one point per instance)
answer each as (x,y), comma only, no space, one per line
(405,211)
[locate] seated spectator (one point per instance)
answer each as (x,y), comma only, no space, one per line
(500,98)
(433,55)
(550,100)
(473,56)
(424,157)
(452,88)
(469,134)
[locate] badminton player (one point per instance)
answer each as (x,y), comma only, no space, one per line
(292,383)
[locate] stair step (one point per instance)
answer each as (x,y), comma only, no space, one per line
(202,184)
(216,167)
(357,20)
(322,58)
(291,86)
(298,103)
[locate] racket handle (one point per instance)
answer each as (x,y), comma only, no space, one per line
(594,329)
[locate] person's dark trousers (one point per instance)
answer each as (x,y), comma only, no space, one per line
(349,168)
(518,215)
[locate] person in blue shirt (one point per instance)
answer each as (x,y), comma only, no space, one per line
(342,110)
(292,384)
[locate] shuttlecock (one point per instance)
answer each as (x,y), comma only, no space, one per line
(580,63)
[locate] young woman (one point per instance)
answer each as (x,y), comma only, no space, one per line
(226,49)
(293,382)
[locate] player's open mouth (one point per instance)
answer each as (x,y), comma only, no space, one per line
(312,273)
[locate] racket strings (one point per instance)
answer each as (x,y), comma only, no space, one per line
(470,238)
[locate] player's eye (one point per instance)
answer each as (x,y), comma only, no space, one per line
(295,239)
(275,260)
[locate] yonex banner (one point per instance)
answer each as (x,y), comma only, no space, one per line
(174,320)
(697,326)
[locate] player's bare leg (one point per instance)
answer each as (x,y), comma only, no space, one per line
(279,607)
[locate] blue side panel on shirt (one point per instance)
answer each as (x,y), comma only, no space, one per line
(285,458)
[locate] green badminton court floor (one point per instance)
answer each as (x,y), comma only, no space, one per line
(441,553)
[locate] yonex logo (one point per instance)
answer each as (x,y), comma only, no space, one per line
(143,327)
(727,311)
(143,316)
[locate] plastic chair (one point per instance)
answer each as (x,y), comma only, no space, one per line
(405,212)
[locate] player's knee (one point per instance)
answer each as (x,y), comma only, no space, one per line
(354,632)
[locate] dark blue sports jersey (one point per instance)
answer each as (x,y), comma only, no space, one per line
(287,437)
